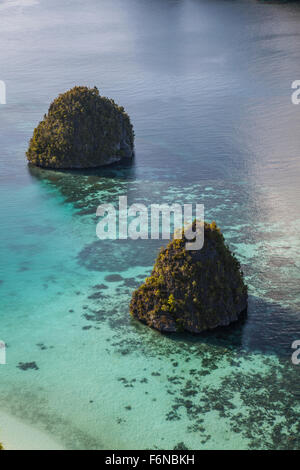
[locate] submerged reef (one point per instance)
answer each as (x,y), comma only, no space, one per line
(82,130)
(192,291)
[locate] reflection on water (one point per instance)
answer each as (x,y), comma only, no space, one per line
(207,85)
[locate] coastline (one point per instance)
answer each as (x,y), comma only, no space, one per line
(17,435)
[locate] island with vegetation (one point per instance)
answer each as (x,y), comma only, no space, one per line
(192,291)
(82,130)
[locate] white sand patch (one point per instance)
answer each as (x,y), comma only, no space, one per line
(16,435)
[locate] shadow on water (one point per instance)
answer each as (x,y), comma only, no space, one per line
(115,170)
(86,188)
(267,327)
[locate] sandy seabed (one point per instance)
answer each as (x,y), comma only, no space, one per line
(16,435)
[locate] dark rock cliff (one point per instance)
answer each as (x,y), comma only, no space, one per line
(82,130)
(192,290)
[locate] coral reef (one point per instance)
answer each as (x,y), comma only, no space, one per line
(81,130)
(192,291)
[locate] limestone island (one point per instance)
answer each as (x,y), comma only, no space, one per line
(192,291)
(82,130)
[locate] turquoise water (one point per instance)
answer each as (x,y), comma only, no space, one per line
(208,87)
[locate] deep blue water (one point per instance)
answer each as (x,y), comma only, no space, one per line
(208,87)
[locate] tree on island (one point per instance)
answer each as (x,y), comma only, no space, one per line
(192,290)
(82,130)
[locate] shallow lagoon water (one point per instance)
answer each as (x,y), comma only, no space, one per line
(207,85)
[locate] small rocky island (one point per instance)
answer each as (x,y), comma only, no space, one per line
(82,130)
(192,291)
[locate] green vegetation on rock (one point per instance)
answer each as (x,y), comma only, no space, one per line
(192,290)
(81,130)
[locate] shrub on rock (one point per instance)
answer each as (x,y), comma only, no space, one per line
(82,130)
(192,290)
